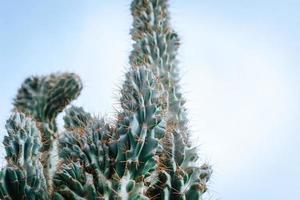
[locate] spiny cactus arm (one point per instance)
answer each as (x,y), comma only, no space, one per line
(86,141)
(149,31)
(156,45)
(22,144)
(23,176)
(71,182)
(188,182)
(139,127)
(43,97)
(184,173)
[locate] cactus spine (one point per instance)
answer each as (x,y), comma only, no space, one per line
(145,153)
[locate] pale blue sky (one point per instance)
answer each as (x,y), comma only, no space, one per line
(240,68)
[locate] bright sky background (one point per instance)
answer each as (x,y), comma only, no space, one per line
(240,67)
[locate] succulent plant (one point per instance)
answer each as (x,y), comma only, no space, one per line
(23,176)
(43,98)
(145,153)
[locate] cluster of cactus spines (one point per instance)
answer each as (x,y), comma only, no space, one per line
(43,98)
(23,176)
(146,153)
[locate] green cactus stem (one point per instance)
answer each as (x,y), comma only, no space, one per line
(139,128)
(86,141)
(23,176)
(43,98)
(156,45)
(71,182)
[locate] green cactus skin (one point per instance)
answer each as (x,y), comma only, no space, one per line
(156,45)
(86,142)
(23,176)
(139,128)
(145,153)
(71,182)
(76,118)
(119,159)
(43,98)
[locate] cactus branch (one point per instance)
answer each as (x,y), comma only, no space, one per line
(43,98)
(23,176)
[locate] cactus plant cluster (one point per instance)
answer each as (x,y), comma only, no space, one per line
(145,153)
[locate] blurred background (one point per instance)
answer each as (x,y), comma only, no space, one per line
(240,74)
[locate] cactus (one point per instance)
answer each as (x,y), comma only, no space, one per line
(155,46)
(23,176)
(85,142)
(44,98)
(145,153)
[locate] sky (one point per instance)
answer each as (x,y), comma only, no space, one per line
(240,75)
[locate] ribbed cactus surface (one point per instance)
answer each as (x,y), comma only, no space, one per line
(145,153)
(43,98)
(23,176)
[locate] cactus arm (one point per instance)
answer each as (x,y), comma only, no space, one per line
(138,131)
(85,141)
(43,98)
(23,176)
(155,46)
(71,182)
(96,185)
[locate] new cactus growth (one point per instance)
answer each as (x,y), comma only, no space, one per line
(145,153)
